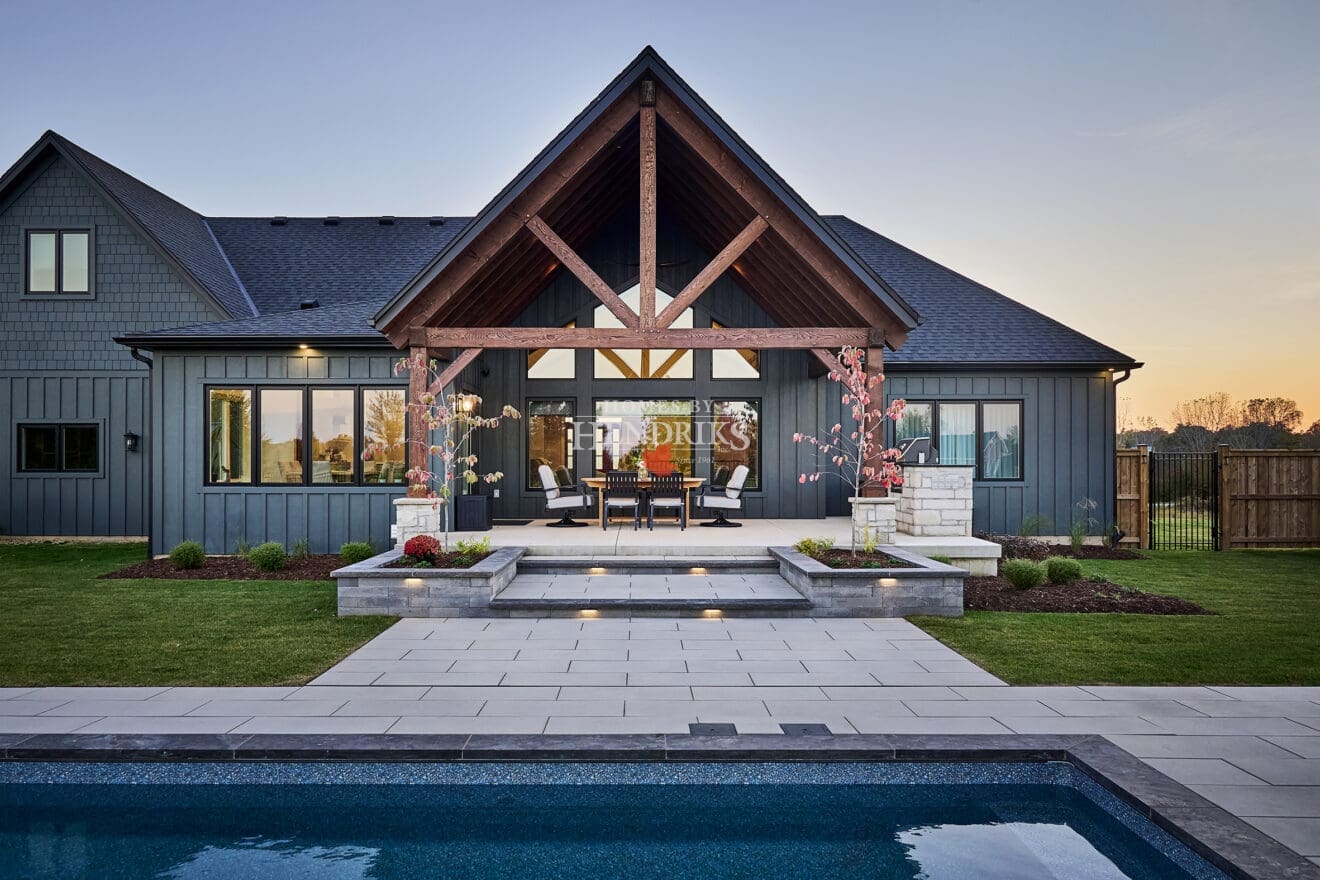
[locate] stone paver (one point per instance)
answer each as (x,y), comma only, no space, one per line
(1253,751)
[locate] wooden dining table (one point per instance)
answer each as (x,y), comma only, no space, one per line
(689,483)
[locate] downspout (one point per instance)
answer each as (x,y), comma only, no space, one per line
(1113,492)
(150,452)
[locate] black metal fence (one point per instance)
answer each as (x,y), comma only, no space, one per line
(1184,501)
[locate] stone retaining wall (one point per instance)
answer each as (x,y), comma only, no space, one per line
(927,588)
(370,588)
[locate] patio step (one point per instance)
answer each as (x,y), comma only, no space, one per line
(597,566)
(642,585)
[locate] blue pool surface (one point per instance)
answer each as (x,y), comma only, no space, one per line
(235,821)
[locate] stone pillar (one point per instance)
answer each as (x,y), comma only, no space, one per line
(879,516)
(936,501)
(413,517)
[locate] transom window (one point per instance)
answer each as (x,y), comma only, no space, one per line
(654,363)
(984,434)
(305,435)
(59,448)
(59,261)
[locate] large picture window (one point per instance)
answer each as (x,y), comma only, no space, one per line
(653,433)
(550,441)
(736,440)
(297,435)
(59,261)
(69,449)
(986,435)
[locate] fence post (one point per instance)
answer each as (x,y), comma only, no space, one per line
(1143,496)
(1224,538)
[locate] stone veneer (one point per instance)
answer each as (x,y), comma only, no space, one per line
(928,587)
(413,517)
(369,588)
(876,516)
(936,501)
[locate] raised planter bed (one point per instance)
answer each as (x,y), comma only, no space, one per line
(372,587)
(922,587)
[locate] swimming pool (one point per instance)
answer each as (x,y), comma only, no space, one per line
(239,820)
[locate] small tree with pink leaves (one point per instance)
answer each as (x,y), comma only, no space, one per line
(858,455)
(455,417)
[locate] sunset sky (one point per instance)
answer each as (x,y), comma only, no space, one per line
(1147,172)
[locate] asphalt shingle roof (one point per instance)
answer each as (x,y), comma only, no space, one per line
(356,260)
(967,322)
(181,231)
(340,321)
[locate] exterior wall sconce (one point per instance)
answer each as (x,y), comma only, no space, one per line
(131,442)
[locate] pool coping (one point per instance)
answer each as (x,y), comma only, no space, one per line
(1227,842)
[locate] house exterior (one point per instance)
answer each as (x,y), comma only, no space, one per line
(647,292)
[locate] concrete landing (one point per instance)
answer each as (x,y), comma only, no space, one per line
(652,590)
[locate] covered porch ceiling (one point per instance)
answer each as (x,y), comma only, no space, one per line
(648,144)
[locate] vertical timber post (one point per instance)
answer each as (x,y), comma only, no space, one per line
(418,441)
(647,252)
(875,366)
(1224,501)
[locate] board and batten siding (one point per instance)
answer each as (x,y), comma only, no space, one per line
(110,502)
(1067,437)
(222,516)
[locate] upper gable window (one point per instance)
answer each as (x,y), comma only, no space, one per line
(59,261)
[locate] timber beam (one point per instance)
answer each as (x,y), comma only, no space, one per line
(604,337)
(714,269)
(578,266)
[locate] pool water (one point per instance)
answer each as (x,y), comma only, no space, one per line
(581,821)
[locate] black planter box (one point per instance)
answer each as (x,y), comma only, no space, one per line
(472,513)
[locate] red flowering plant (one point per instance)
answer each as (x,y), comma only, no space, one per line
(451,419)
(859,456)
(422,548)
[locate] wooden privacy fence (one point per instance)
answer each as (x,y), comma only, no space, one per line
(1260,498)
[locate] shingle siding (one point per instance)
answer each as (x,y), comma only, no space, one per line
(134,288)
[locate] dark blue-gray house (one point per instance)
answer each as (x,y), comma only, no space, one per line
(647,291)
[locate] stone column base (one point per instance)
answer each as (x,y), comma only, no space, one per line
(877,517)
(413,517)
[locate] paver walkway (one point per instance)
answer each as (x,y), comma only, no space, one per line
(1253,751)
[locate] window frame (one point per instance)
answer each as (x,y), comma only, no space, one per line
(980,421)
(305,460)
(59,470)
(25,258)
(760,412)
(527,434)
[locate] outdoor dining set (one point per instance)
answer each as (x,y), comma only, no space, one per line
(621,492)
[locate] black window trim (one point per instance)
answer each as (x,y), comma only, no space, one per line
(59,232)
(359,437)
(527,434)
(980,404)
(59,470)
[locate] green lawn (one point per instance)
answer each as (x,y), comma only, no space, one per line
(59,625)
(1266,628)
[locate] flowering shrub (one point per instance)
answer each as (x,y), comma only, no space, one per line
(454,417)
(858,455)
(423,548)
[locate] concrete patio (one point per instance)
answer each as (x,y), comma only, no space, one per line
(1253,751)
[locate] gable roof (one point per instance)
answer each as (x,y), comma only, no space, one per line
(649,63)
(967,322)
(179,233)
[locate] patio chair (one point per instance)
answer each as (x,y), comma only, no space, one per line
(621,491)
(667,494)
(720,499)
(557,499)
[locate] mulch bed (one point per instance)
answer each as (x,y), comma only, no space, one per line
(442,560)
(845,559)
(1017,547)
(233,568)
(1084,596)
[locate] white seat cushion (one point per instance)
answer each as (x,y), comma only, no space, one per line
(719,501)
(564,501)
(620,502)
(667,502)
